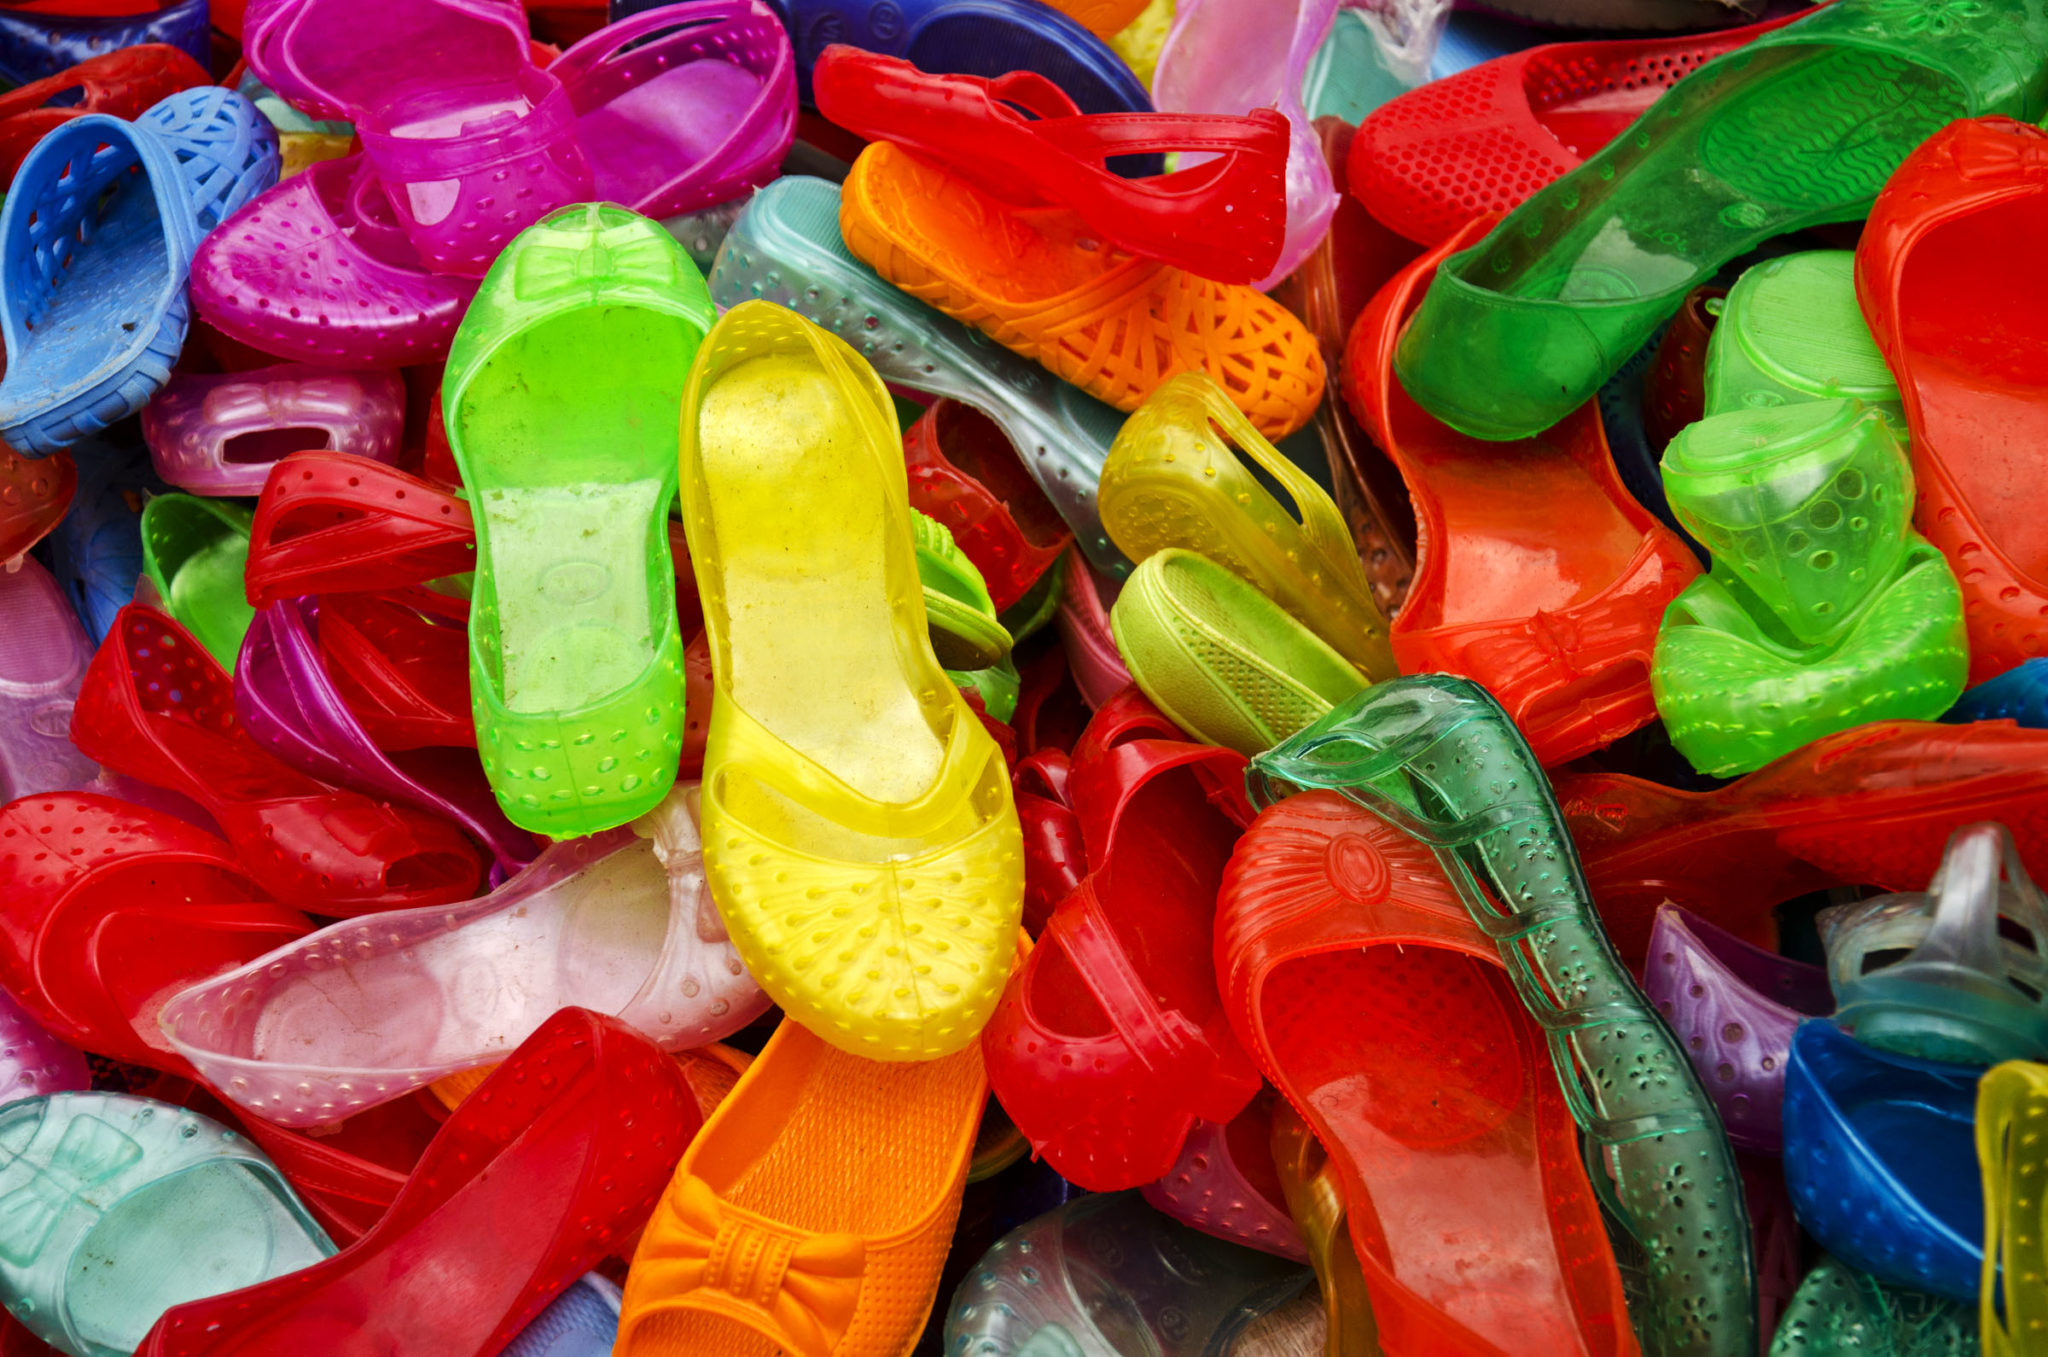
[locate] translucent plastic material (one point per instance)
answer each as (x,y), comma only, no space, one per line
(960,616)
(219,434)
(2011,1100)
(561,391)
(34,496)
(1224,1184)
(1880,1160)
(1110,1274)
(1382,1012)
(1839,1309)
(1790,331)
(1954,973)
(32,1062)
(44,40)
(1090,649)
(1225,662)
(195,552)
(965,473)
(1174,479)
(1110,1043)
(1315,1195)
(534,1178)
(1233,56)
(1824,609)
(43,655)
(126,1207)
(786,248)
(121,83)
(2019,695)
(1442,743)
(1800,127)
(581,1322)
(859,833)
(1735,1006)
(845,1172)
(327,523)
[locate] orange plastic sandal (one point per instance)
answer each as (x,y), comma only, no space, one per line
(1037,280)
(811,1215)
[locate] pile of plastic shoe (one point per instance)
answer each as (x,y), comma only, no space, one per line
(1023,678)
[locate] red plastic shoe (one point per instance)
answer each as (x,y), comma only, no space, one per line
(108,909)
(331,522)
(400,659)
(556,1159)
(971,127)
(1554,612)
(1481,141)
(965,473)
(33,498)
(1959,318)
(1873,806)
(122,84)
(348,1174)
(155,706)
(1110,1042)
(1352,971)
(1055,859)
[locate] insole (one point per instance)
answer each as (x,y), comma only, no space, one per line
(107,302)
(797,507)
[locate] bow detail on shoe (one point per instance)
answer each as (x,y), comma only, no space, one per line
(89,1153)
(591,261)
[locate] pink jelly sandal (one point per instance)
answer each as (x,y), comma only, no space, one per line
(220,433)
(1092,655)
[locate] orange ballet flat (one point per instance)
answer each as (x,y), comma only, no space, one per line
(1040,282)
(812,1214)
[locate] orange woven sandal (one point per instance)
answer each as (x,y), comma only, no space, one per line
(1036,280)
(811,1215)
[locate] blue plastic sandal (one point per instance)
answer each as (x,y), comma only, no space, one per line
(93,256)
(96,550)
(581,1322)
(35,43)
(2019,694)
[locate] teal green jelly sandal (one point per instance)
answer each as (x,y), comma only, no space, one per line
(1840,1312)
(194,550)
(1802,126)
(1436,757)
(1791,331)
(115,1208)
(563,393)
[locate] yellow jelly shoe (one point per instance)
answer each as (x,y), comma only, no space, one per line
(1171,480)
(859,836)
(2012,1150)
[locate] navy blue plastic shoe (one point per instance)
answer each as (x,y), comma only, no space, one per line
(2019,695)
(581,1322)
(1881,1160)
(93,257)
(96,551)
(958,37)
(36,43)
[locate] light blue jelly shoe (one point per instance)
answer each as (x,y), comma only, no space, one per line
(581,1322)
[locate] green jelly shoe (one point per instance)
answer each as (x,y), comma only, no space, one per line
(1824,609)
(957,608)
(1840,1312)
(1800,127)
(1436,757)
(194,550)
(563,392)
(115,1208)
(1225,663)
(998,686)
(1791,331)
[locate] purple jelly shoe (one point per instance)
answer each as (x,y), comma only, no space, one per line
(1224,1185)
(33,1063)
(220,433)
(287,701)
(702,114)
(1735,1006)
(318,269)
(44,652)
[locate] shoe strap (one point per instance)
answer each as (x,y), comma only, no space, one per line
(408,531)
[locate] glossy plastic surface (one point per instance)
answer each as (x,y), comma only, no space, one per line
(43,655)
(1952,973)
(1315,1195)
(1824,609)
(1110,1274)
(1881,1163)
(1646,1118)
(1555,613)
(846,1171)
(2019,695)
(1381,1011)
(220,433)
(1221,218)
(1790,331)
(1871,806)
(1235,56)
(194,552)
(1839,1309)
(38,41)
(104,251)
(128,1207)
(1225,662)
(1110,1044)
(1952,325)
(965,473)
(575,654)
(2011,1099)
(1735,1006)
(786,248)
(871,870)
(328,523)
(121,84)
(399,662)
(534,1178)
(34,1063)
(1115,325)
(1174,478)
(364,1012)
(1224,1184)
(581,1322)
(1091,651)
(156,707)
(34,497)
(1675,385)
(959,615)
(1520,329)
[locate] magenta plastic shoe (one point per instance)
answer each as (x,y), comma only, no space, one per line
(1083,621)
(698,116)
(319,270)
(1735,1006)
(1207,1189)
(32,1062)
(220,433)
(44,652)
(368,1010)
(286,699)
(1232,56)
